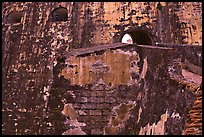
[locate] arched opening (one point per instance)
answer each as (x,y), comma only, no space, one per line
(59,14)
(140,37)
(14,17)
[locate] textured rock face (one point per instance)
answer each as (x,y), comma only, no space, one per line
(37,68)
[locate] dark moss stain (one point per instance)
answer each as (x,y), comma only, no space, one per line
(175,23)
(10,54)
(123,110)
(159,6)
(111,130)
(115,121)
(58,92)
(163,93)
(160,93)
(88,28)
(74,25)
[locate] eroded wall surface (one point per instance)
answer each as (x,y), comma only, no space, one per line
(111,107)
(32,63)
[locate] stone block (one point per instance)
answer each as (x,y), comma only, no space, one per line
(96,100)
(103,106)
(81,99)
(88,106)
(95,112)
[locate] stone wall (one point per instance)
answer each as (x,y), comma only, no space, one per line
(150,99)
(34,49)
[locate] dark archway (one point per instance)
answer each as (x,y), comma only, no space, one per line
(138,36)
(59,14)
(14,17)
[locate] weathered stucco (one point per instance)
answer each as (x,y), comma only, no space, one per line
(127,89)
(112,67)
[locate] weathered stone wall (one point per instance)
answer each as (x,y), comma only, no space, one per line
(105,22)
(31,51)
(150,100)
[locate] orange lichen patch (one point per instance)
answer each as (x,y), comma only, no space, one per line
(122,114)
(115,121)
(117,63)
(110,130)
(69,111)
(192,19)
(144,68)
(122,111)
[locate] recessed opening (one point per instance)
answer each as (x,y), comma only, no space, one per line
(14,17)
(138,36)
(59,14)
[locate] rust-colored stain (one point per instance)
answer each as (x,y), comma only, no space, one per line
(111,130)
(69,111)
(144,68)
(116,123)
(116,61)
